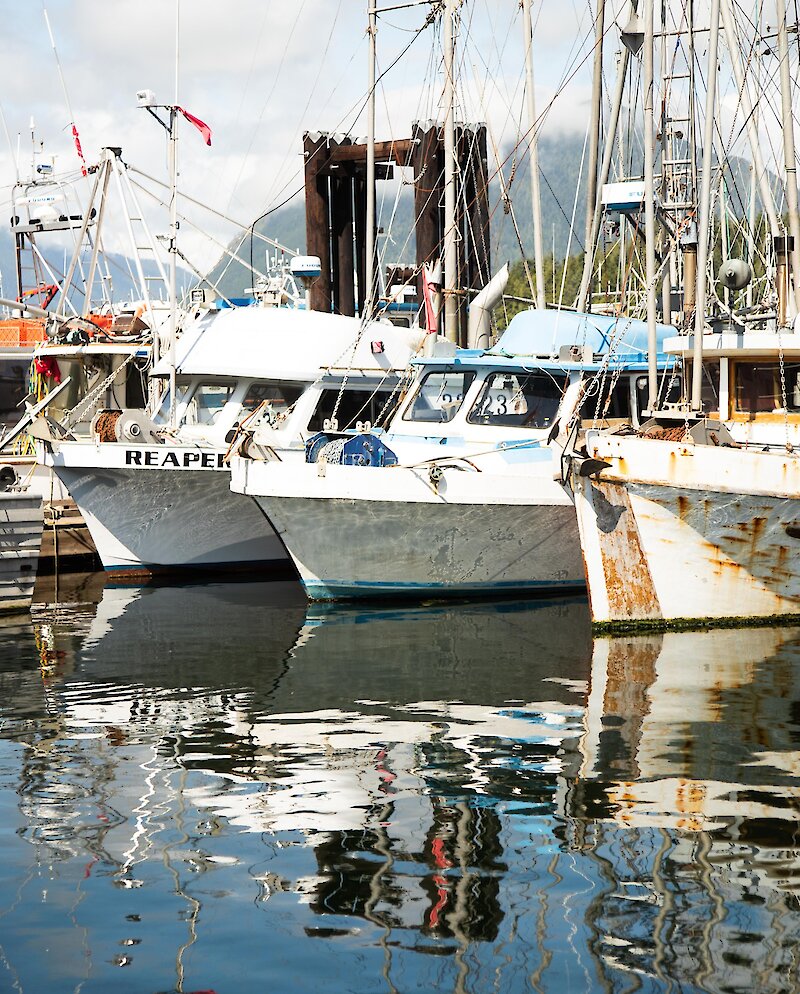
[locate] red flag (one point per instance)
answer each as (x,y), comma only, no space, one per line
(201,126)
(79,149)
(427,293)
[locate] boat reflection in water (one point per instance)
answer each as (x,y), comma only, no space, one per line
(214,786)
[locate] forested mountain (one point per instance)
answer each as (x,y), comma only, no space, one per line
(563,197)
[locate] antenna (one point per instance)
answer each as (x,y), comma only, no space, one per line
(75,137)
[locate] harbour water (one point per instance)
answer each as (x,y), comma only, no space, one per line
(219,788)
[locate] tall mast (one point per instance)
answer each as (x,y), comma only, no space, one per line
(173,221)
(649,207)
(608,152)
(450,245)
(536,198)
(747,109)
(369,295)
(790,163)
(705,208)
(594,126)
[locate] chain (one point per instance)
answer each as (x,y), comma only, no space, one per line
(78,411)
(783,390)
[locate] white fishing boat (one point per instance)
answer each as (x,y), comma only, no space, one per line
(157,498)
(21,522)
(697,517)
(462,495)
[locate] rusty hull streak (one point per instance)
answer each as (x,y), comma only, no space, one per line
(743,547)
(629,585)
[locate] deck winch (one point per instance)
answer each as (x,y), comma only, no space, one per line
(364,449)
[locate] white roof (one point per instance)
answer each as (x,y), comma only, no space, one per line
(287,343)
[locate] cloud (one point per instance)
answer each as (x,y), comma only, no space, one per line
(260,73)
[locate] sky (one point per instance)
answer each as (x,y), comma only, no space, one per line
(260,73)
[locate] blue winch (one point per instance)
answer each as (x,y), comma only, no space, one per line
(364,449)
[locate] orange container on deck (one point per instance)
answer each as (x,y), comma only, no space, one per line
(21,332)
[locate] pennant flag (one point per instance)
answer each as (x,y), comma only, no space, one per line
(427,293)
(201,126)
(79,149)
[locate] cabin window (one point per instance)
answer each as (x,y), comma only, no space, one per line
(161,417)
(275,399)
(710,389)
(607,399)
(670,391)
(207,402)
(757,387)
(439,397)
(355,405)
(519,400)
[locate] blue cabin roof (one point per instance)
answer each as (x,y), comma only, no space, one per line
(538,333)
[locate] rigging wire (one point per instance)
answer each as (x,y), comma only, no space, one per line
(353,113)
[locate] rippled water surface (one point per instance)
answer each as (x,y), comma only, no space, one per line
(217,788)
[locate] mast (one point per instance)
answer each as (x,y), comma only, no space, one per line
(705,209)
(173,222)
(790,163)
(450,246)
(369,295)
(747,109)
(608,152)
(536,197)
(594,126)
(649,207)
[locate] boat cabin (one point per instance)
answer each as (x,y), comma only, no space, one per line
(299,369)
(751,382)
(516,388)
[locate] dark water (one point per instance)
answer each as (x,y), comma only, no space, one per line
(215,788)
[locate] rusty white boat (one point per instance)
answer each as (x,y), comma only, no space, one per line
(688,530)
(696,517)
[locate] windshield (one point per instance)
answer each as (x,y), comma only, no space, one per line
(439,397)
(521,400)
(161,417)
(207,402)
(277,399)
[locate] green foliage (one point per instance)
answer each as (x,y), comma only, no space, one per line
(519,286)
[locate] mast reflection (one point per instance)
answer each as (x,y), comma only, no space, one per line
(475,793)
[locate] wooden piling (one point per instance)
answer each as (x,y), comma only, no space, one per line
(341,194)
(315,151)
(427,160)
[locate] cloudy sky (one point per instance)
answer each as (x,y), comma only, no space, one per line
(260,72)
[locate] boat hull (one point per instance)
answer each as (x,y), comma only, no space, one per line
(21,522)
(162,519)
(673,532)
(369,532)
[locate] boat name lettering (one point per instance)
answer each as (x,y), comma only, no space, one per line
(177,460)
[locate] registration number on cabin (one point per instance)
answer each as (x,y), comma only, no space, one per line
(171,459)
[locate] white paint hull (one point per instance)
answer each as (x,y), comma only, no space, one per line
(366,532)
(673,531)
(156,519)
(21,522)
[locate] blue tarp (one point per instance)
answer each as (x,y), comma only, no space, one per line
(538,332)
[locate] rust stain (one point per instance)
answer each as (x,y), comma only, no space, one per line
(629,585)
(759,526)
(684,506)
